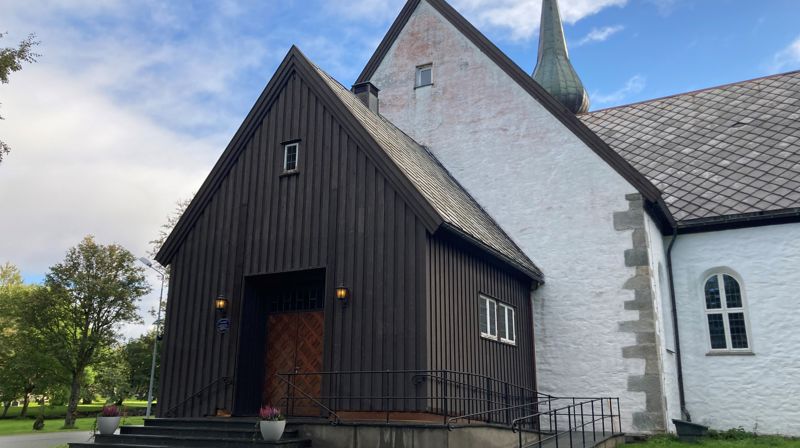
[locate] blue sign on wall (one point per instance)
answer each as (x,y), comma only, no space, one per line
(223,325)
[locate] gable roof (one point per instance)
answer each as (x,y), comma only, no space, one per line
(719,154)
(459,211)
(424,183)
(654,202)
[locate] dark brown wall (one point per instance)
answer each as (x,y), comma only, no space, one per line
(458,274)
(338,213)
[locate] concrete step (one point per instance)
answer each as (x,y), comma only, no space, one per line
(202,431)
(229,423)
(111,445)
(196,442)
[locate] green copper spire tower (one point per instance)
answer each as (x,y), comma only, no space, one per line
(553,70)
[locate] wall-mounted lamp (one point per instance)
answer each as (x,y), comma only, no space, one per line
(342,294)
(221,305)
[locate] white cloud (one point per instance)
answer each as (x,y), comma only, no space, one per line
(665,7)
(82,165)
(112,125)
(521,17)
(600,34)
(788,58)
(634,85)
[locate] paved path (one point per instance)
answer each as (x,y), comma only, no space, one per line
(44,440)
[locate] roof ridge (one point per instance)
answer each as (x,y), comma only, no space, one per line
(692,92)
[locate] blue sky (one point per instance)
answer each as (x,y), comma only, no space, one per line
(132,102)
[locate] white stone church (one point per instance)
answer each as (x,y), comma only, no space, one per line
(668,231)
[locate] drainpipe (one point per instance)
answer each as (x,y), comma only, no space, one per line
(684,412)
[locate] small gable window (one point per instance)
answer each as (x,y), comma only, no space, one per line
(291,154)
(726,316)
(424,75)
(496,320)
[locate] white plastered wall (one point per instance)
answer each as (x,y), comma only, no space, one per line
(758,392)
(551,193)
(662,306)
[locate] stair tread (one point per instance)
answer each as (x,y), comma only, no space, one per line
(202,428)
(201,439)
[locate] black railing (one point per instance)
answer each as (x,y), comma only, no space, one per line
(592,416)
(226,381)
(459,398)
(454,400)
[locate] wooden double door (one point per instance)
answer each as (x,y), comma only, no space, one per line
(294,344)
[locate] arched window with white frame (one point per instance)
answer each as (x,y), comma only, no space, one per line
(726,314)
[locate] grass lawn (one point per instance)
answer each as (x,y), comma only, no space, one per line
(25,425)
(61,411)
(742,441)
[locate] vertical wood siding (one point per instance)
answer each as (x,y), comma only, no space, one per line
(338,213)
(457,276)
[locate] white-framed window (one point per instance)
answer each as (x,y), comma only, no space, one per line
(506,324)
(726,314)
(291,155)
(497,320)
(488,317)
(424,75)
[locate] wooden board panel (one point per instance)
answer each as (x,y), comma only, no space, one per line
(308,358)
(294,344)
(279,357)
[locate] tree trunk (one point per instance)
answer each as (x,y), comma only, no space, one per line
(25,402)
(6,405)
(74,395)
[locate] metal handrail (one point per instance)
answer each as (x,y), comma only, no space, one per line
(572,419)
(336,419)
(453,392)
(475,414)
(417,371)
(225,379)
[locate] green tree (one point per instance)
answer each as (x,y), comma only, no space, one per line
(10,276)
(139,354)
(84,301)
(112,373)
(11,59)
(24,367)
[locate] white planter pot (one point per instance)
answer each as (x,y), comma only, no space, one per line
(272,431)
(107,425)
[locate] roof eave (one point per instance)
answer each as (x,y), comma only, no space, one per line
(743,220)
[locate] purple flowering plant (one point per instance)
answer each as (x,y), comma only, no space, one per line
(269,413)
(110,411)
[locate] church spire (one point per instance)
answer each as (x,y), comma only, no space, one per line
(553,70)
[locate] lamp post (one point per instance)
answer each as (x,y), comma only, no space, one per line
(161,273)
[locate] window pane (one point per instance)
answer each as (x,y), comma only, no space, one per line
(716,329)
(290,158)
(492,318)
(511,325)
(738,330)
(424,76)
(712,294)
(482,315)
(733,295)
(501,321)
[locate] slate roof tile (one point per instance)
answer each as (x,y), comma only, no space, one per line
(727,150)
